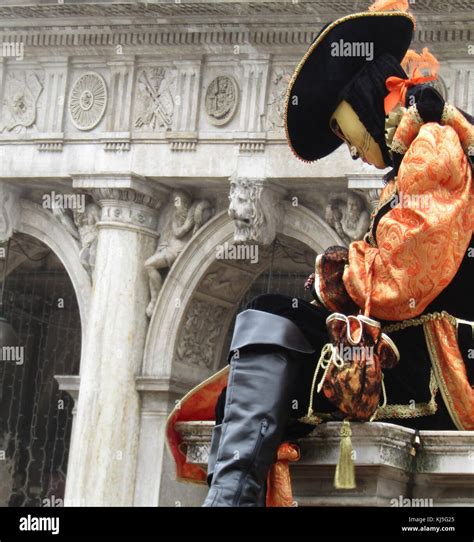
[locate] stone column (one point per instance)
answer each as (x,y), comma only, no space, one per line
(103,457)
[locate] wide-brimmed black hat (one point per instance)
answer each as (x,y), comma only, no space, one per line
(334,58)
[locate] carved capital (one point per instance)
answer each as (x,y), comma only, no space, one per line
(254,207)
(126,201)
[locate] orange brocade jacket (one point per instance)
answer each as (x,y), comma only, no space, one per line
(418,251)
(421,241)
(420,245)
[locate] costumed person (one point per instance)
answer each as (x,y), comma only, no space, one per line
(398,302)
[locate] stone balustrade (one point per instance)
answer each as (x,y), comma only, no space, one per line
(441,473)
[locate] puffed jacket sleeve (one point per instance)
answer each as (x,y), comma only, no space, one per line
(422,239)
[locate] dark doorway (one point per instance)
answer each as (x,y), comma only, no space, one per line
(35,416)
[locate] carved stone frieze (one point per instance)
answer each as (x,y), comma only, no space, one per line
(224,282)
(200,334)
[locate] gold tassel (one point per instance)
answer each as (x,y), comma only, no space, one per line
(345,472)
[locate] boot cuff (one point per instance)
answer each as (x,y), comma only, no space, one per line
(260,327)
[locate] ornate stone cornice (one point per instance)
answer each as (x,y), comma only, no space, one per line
(24,9)
(146,38)
(166,24)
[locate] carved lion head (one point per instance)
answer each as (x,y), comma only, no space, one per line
(252,208)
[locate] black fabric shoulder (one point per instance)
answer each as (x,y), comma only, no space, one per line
(428,100)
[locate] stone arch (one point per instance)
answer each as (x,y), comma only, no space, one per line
(41,224)
(53,348)
(201,293)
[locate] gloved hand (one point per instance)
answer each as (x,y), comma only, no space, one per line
(326,284)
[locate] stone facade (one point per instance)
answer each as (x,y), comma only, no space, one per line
(121,116)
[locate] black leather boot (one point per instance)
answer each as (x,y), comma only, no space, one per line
(264,368)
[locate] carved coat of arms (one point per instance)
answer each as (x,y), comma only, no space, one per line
(22,92)
(155,103)
(221,100)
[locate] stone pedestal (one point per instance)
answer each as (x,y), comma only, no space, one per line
(102,462)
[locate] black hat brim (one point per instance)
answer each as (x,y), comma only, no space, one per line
(317,82)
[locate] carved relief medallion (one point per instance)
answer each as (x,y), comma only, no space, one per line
(221,100)
(87,101)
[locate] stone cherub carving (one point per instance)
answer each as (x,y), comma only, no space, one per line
(86,223)
(9,215)
(253,206)
(186,218)
(346,213)
(81,224)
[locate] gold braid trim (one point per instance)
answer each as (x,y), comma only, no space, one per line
(420,321)
(448,113)
(416,114)
(409,411)
(453,117)
(398,147)
(448,400)
(391,124)
(316,418)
